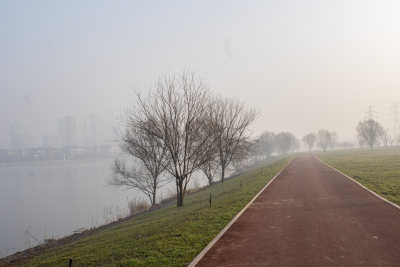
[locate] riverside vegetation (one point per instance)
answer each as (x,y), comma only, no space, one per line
(169,236)
(379,170)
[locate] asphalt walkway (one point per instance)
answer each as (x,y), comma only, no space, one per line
(311,215)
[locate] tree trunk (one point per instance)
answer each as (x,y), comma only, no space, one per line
(151,200)
(210,179)
(222,161)
(177,195)
(180,194)
(153,204)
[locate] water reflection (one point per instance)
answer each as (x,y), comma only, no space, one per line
(54,199)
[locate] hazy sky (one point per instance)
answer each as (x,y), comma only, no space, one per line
(304,64)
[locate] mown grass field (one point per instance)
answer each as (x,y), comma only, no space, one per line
(378,170)
(166,237)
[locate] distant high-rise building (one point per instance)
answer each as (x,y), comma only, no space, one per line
(19,137)
(95,130)
(52,141)
(101,129)
(61,130)
(81,131)
(70,131)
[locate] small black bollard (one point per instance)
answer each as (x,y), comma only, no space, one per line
(261,171)
(241,184)
(210,199)
(70,262)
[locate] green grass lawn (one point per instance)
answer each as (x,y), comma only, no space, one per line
(166,237)
(378,170)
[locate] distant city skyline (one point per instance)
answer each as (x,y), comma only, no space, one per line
(73,131)
(305,65)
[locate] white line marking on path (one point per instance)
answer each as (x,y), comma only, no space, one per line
(369,190)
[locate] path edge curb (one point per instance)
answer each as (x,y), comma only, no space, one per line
(199,256)
(363,186)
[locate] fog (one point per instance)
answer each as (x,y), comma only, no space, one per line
(304,65)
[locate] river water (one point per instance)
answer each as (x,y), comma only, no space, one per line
(51,200)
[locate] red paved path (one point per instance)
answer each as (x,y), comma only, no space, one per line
(311,215)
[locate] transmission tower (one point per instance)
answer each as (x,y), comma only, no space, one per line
(370,114)
(395,118)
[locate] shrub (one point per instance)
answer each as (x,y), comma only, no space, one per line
(137,206)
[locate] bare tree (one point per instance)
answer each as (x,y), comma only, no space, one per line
(324,138)
(309,140)
(394,140)
(209,168)
(385,137)
(346,144)
(295,144)
(147,167)
(137,177)
(177,115)
(285,142)
(397,140)
(333,140)
(267,143)
(245,150)
(369,131)
(361,142)
(230,121)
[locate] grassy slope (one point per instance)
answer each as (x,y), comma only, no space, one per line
(169,236)
(378,170)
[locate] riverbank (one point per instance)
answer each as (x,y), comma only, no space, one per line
(60,162)
(166,236)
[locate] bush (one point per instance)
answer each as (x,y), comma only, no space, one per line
(137,206)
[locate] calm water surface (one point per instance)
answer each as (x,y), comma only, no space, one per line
(46,200)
